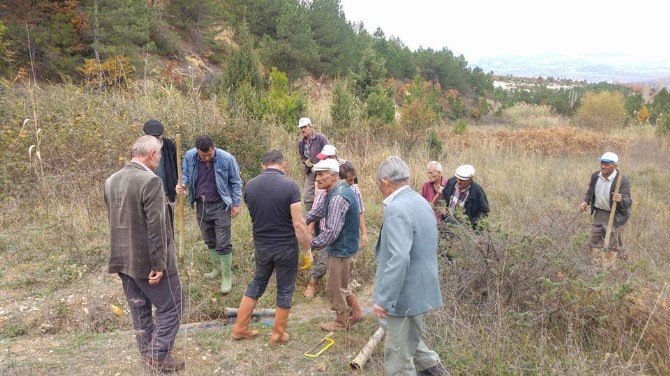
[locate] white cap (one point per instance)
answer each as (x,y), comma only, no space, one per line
(609,157)
(328,165)
(327,151)
(303,122)
(465,172)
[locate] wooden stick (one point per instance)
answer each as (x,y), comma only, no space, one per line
(359,361)
(180,203)
(610,222)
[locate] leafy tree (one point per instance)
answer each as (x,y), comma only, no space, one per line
(633,104)
(602,110)
(481,82)
(642,115)
(286,107)
(334,37)
(379,107)
(241,65)
(294,50)
(370,74)
(660,105)
(341,107)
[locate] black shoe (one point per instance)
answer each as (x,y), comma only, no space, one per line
(168,364)
(436,370)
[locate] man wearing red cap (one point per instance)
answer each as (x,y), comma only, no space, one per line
(601,196)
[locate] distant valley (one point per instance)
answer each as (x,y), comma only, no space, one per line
(614,68)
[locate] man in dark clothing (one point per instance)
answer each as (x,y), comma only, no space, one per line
(143,253)
(339,237)
(278,227)
(600,196)
(462,193)
(167,169)
(214,185)
(309,147)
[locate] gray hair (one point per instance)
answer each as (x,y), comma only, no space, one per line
(393,169)
(145,145)
(437,166)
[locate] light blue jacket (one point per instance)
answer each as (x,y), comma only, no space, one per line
(228,180)
(406,281)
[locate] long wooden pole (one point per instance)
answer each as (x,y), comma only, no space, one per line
(180,203)
(610,222)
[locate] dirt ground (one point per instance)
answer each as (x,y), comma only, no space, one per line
(206,346)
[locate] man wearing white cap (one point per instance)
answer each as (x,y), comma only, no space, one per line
(339,238)
(309,147)
(461,192)
(600,196)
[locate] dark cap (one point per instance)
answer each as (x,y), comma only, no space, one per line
(153,127)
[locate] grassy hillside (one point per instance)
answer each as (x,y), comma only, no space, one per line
(519,298)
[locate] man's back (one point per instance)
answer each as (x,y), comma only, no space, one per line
(408,281)
(269,197)
(139,236)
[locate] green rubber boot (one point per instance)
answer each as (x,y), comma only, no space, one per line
(215,259)
(226,273)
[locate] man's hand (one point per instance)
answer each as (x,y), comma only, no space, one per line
(181,189)
(585,205)
(616,197)
(155,277)
(235,211)
(364,240)
(309,163)
(380,312)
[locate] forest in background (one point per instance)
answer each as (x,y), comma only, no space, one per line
(79,78)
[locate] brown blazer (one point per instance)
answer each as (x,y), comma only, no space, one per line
(141,239)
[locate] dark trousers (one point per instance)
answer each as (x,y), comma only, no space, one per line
(214,222)
(283,259)
(154,337)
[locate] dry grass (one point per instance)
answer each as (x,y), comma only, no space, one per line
(519,299)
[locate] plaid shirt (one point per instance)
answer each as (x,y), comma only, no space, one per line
(332,226)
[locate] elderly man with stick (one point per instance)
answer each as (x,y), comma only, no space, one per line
(406,280)
(610,201)
(143,254)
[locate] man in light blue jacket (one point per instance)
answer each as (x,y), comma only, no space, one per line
(213,180)
(406,281)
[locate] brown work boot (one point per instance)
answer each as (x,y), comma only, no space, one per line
(169,364)
(340,323)
(311,288)
(279,334)
(356,311)
(241,329)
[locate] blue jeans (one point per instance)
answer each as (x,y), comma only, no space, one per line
(283,260)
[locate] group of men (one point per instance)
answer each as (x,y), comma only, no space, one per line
(139,198)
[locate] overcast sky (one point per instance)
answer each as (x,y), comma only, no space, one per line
(489,28)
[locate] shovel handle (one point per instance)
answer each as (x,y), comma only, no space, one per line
(610,222)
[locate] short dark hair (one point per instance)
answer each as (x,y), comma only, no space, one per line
(204,143)
(347,168)
(272,157)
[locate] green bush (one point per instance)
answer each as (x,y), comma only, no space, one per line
(281,104)
(380,107)
(663,125)
(460,127)
(434,145)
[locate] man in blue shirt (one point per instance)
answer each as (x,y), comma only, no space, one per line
(213,180)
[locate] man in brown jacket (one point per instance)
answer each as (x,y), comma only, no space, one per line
(143,253)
